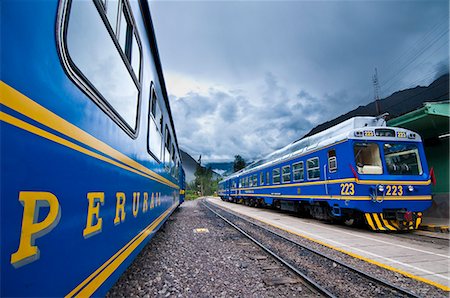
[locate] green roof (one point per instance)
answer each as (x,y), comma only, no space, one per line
(432,120)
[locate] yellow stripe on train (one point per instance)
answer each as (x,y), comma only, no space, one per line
(377,222)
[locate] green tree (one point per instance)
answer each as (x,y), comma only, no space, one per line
(204,182)
(239,163)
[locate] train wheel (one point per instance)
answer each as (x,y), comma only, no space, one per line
(350,222)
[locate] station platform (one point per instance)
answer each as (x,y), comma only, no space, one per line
(426,261)
(435,224)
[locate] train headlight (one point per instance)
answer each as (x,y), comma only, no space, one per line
(410,188)
(380,188)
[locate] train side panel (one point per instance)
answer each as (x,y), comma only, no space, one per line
(79,196)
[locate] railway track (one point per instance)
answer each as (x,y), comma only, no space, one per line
(327,275)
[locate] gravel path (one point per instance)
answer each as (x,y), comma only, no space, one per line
(180,262)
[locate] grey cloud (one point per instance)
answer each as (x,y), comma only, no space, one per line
(286,66)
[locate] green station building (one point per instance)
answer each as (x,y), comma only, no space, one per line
(432,123)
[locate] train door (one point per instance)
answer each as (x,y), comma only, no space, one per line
(331,168)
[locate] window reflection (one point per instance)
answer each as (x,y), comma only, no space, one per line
(112,9)
(135,57)
(94,53)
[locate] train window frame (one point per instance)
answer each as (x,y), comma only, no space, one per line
(276,176)
(283,174)
(82,81)
(300,170)
(152,113)
(310,170)
(332,159)
(167,147)
(395,166)
(376,165)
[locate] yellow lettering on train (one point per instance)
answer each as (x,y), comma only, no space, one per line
(152,201)
(394,190)
(32,229)
(145,202)
(347,189)
(136,196)
(95,199)
(158,199)
(120,208)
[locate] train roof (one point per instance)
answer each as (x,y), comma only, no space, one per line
(154,48)
(354,128)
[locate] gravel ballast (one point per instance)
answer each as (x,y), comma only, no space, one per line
(419,288)
(215,261)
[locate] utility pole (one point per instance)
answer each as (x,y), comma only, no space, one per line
(376,91)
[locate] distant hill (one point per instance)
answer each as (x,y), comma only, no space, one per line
(190,166)
(222,168)
(399,103)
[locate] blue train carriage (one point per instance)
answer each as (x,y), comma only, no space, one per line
(359,170)
(90,166)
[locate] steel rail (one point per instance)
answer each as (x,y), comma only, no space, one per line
(310,281)
(356,270)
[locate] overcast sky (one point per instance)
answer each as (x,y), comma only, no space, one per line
(249,77)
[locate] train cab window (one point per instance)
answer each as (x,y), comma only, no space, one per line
(261,178)
(286,177)
(298,171)
(154,127)
(367,158)
(94,59)
(313,168)
(276,176)
(332,161)
(268,177)
(402,159)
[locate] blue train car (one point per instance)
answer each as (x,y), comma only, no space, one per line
(359,170)
(90,166)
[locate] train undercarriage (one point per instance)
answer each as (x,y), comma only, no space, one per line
(388,220)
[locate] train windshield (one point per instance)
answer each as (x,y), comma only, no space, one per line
(402,159)
(367,158)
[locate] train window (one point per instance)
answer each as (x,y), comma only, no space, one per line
(286,174)
(268,177)
(313,168)
(255,180)
(154,128)
(124,31)
(298,171)
(168,142)
(332,161)
(402,159)
(136,57)
(261,178)
(103,71)
(250,181)
(367,158)
(112,12)
(276,176)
